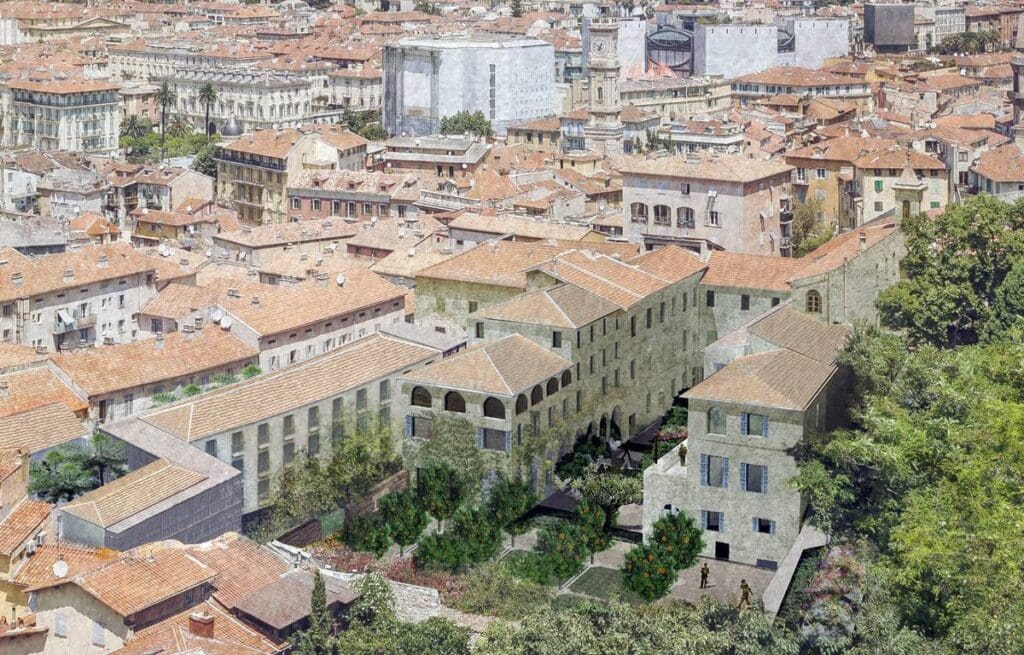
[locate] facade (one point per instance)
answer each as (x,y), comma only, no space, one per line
(679,98)
(882,179)
(804,82)
(719,202)
(61,114)
(361,195)
(889,28)
(736,49)
(509,79)
(358,89)
(133,186)
(604,130)
(142,61)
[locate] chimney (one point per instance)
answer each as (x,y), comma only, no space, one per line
(4,386)
(16,279)
(863,238)
(188,331)
(183,263)
(102,262)
(199,322)
(159,343)
(200,624)
(255,301)
(69,275)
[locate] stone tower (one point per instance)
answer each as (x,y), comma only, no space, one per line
(604,130)
(1017,97)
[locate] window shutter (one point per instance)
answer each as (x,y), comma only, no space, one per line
(725,472)
(480,438)
(764,426)
(508,441)
(764,480)
(753,524)
(744,422)
(703,519)
(743,477)
(704,472)
(772,528)
(408,425)
(721,521)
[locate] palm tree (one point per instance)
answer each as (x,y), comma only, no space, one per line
(180,126)
(207,96)
(135,127)
(165,96)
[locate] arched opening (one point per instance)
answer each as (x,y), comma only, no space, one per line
(603,427)
(638,212)
(536,395)
(566,379)
(685,217)
(662,215)
(494,408)
(454,402)
(600,93)
(521,404)
(421,397)
(616,425)
(552,386)
(812,302)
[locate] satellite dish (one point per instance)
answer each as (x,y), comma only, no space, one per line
(60,568)
(225,324)
(340,279)
(217,315)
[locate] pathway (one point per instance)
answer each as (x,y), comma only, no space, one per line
(723,581)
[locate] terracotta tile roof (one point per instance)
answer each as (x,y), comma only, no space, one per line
(505,367)
(41,428)
(38,569)
(23,522)
(142,578)
(176,301)
(93,225)
(60,86)
(505,263)
(243,564)
(776,378)
(268,143)
(731,269)
(285,233)
(409,262)
(375,182)
(339,137)
(519,226)
(1003,164)
(34,388)
(669,263)
(720,167)
(14,356)
(843,149)
(833,253)
(173,636)
(286,600)
(106,369)
(91,265)
(11,460)
(899,157)
(563,306)
(343,369)
(798,77)
(394,234)
(170,219)
(132,493)
(785,327)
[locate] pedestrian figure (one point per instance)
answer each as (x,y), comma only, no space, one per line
(704,571)
(744,595)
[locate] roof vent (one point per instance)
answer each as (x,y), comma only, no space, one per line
(69,274)
(102,262)
(234,293)
(255,301)
(16,279)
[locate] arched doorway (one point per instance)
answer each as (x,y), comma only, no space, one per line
(617,433)
(603,427)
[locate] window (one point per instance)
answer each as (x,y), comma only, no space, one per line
(552,386)
(263,461)
(313,445)
(313,419)
(684,188)
(384,391)
(236,442)
(566,378)
(716,421)
(661,313)
(556,339)
(821,174)
(662,215)
(472,306)
(521,404)
(211,447)
(454,402)
(289,424)
(384,417)
(714,218)
(492,439)
(421,427)
(879,186)
(337,427)
(638,212)
(315,203)
(764,526)
(263,434)
(754,478)
(812,302)
(632,369)
(632,326)
(60,624)
(421,397)
(710,299)
(775,302)
(262,489)
(296,203)
(494,408)
(537,394)
(754,424)
(744,302)
(361,400)
(712,521)
(479,330)
(649,318)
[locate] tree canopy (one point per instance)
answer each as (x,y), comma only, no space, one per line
(465,122)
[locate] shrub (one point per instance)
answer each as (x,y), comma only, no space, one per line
(648,573)
(443,552)
(477,530)
(590,519)
(678,540)
(163,398)
(565,549)
(342,558)
(191,390)
(404,518)
(532,566)
(367,534)
(492,589)
(251,371)
(405,570)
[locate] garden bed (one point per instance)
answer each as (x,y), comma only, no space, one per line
(602,583)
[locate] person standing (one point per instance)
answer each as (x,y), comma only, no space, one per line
(744,595)
(704,571)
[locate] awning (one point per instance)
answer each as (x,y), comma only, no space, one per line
(65,316)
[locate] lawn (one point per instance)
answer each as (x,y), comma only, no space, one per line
(603,583)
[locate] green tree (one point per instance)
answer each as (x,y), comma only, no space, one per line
(205,163)
(136,127)
(440,491)
(464,122)
(207,95)
(373,132)
(106,457)
(62,475)
(507,501)
(404,518)
(165,97)
(179,127)
(316,639)
(564,546)
(366,534)
(251,371)
(648,572)
(453,444)
(809,228)
(678,539)
(609,490)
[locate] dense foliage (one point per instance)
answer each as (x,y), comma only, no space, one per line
(404,518)
(70,469)
(464,122)
(650,570)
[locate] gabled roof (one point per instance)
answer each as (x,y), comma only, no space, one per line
(506,367)
(731,269)
(286,600)
(243,564)
(38,569)
(841,248)
(23,521)
(563,306)
(780,378)
(41,428)
(173,636)
(786,327)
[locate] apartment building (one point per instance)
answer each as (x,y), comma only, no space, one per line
(360,195)
(135,186)
(716,202)
(153,60)
(51,113)
(359,89)
(259,426)
(899,181)
(678,98)
(74,299)
(802,81)
(257,245)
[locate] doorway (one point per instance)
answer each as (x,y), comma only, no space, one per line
(721,550)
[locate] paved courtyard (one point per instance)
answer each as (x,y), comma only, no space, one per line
(723,581)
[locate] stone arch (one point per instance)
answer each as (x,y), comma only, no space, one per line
(420,397)
(536,395)
(454,402)
(494,408)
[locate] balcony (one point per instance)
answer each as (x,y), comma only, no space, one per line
(444,201)
(786,216)
(69,321)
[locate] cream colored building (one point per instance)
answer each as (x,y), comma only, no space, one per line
(52,114)
(882,179)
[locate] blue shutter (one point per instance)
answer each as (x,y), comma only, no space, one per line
(772,527)
(508,441)
(753,524)
(725,472)
(703,519)
(743,477)
(704,472)
(721,522)
(408,425)
(764,426)
(744,422)
(764,480)
(480,438)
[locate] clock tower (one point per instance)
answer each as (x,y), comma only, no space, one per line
(604,131)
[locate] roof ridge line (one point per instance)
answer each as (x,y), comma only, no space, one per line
(605,280)
(497,370)
(561,311)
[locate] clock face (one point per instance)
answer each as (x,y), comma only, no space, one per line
(600,47)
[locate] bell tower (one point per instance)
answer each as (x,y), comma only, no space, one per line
(604,130)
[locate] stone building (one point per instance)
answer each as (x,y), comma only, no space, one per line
(720,202)
(508,78)
(58,113)
(899,181)
(360,195)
